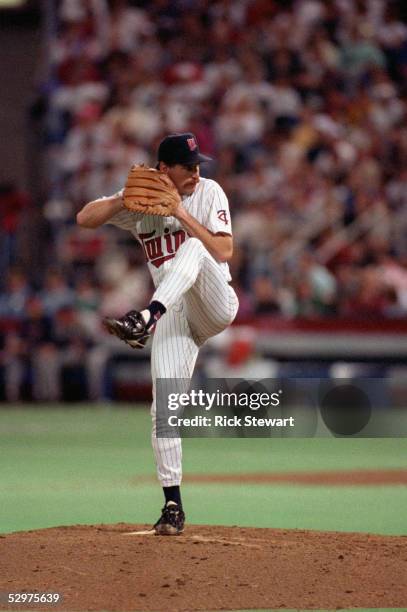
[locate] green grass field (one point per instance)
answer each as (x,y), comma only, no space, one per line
(67,465)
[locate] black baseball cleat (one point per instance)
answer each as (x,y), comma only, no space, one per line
(171,521)
(131,328)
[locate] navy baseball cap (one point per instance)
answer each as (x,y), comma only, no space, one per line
(180,149)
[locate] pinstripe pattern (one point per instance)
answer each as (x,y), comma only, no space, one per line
(194,288)
(211,304)
(173,355)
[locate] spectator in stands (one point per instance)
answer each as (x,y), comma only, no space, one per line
(371,299)
(56,293)
(13,367)
(41,351)
(316,280)
(13,203)
(14,298)
(265,299)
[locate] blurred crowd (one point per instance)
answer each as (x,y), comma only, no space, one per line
(302,104)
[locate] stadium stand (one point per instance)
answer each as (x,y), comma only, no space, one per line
(303,106)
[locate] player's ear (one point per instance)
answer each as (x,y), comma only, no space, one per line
(162,166)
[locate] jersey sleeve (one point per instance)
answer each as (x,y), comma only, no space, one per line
(125,219)
(218,215)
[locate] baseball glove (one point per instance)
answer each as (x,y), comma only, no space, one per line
(150,192)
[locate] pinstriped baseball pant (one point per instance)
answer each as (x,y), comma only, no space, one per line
(200,303)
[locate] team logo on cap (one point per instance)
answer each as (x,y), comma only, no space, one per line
(192,144)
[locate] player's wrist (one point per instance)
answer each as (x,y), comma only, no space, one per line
(180,213)
(119,200)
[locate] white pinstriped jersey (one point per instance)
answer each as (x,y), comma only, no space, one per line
(161,237)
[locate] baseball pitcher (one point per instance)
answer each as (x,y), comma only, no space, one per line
(183,225)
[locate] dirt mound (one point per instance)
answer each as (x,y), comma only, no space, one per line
(107,567)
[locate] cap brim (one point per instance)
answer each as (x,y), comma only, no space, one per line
(204,158)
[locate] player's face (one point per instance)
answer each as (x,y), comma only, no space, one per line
(184,177)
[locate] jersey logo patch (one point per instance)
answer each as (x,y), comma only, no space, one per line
(161,248)
(192,144)
(222,216)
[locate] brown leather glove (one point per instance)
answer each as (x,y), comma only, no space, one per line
(150,192)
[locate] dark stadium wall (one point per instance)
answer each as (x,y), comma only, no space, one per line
(20,41)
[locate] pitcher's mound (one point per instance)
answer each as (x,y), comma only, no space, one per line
(109,567)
